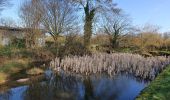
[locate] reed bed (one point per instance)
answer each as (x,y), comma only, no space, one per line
(113,64)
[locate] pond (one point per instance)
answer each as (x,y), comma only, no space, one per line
(76,87)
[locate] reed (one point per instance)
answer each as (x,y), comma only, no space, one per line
(115,63)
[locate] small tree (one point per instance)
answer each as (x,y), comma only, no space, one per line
(59,17)
(31,14)
(116,27)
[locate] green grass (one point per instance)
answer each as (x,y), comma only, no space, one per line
(159,89)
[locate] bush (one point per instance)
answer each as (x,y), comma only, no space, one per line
(24,53)
(18,43)
(6,51)
(73,49)
(71,46)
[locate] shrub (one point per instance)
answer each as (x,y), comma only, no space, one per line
(73,46)
(6,51)
(18,43)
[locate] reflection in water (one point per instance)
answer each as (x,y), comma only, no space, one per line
(74,87)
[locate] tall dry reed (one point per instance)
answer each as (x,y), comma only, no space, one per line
(113,64)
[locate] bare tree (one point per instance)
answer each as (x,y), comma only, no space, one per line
(31,14)
(116,27)
(144,31)
(59,17)
(91,8)
(9,22)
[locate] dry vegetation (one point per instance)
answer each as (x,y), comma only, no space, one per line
(115,63)
(35,71)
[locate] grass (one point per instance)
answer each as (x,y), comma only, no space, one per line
(159,89)
(8,68)
(167,53)
(3,77)
(14,61)
(35,71)
(12,66)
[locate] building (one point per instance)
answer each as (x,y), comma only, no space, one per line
(7,33)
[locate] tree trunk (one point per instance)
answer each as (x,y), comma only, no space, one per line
(114,43)
(114,40)
(87,33)
(89,15)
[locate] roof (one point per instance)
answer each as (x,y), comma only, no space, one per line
(16,28)
(10,28)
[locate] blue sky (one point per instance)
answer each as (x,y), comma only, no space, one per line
(148,11)
(140,11)
(12,11)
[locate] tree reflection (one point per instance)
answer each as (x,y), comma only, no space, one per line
(74,87)
(56,87)
(6,95)
(89,95)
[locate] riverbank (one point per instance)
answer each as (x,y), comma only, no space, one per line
(17,63)
(14,69)
(159,88)
(10,67)
(21,82)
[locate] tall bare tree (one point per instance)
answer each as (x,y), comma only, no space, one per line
(59,17)
(91,8)
(31,13)
(116,26)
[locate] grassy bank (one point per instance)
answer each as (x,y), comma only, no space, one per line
(159,89)
(10,67)
(11,70)
(18,62)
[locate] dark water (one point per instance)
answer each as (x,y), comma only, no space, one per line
(71,87)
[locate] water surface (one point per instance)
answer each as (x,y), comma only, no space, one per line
(76,87)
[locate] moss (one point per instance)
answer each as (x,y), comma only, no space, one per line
(35,71)
(159,88)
